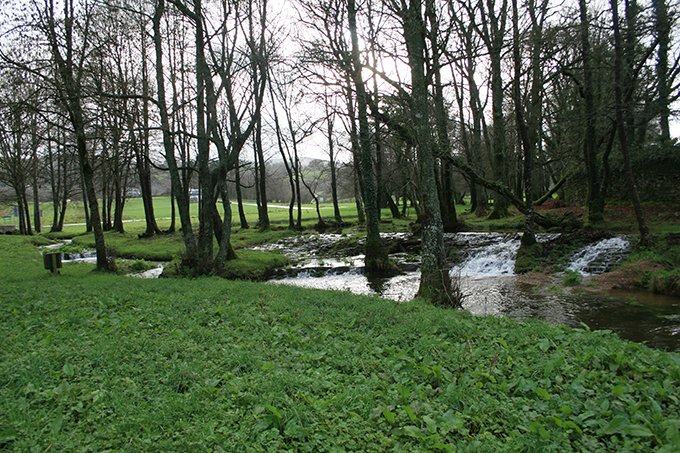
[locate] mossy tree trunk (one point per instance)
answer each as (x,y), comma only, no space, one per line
(595,199)
(376,260)
(526,127)
(435,282)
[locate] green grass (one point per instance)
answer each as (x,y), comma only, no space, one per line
(664,252)
(97,362)
(134,210)
(660,222)
(157,248)
(249,265)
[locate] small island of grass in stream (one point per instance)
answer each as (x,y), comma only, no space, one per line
(98,362)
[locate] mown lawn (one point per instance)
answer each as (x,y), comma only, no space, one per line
(134,210)
(94,362)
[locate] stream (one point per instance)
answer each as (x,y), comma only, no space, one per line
(485,264)
(90,256)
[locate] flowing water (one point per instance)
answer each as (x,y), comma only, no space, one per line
(90,256)
(485,264)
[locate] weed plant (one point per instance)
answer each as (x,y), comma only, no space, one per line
(134,267)
(666,253)
(572,278)
(97,362)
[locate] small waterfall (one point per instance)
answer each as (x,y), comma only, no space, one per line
(496,256)
(490,260)
(598,258)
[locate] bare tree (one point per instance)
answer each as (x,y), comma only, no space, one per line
(623,88)
(70,38)
(180,192)
(16,156)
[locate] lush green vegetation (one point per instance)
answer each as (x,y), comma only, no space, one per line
(664,224)
(617,218)
(215,365)
(665,253)
(134,210)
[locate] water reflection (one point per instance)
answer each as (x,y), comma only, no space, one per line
(485,264)
(652,319)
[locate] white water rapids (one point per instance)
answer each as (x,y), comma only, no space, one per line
(478,256)
(485,263)
(599,257)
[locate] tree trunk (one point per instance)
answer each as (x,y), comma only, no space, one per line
(71,98)
(376,260)
(289,171)
(595,200)
(321,224)
(435,283)
(494,36)
(663,29)
(623,78)
(447,199)
(27,213)
(297,173)
(206,227)
(394,209)
(239,197)
(55,183)
(331,156)
(528,238)
(35,168)
(358,201)
(173,209)
(356,155)
(180,192)
(141,151)
(263,222)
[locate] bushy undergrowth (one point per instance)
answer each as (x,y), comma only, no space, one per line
(664,282)
(95,362)
(134,267)
(665,252)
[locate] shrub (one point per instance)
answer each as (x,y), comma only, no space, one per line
(572,278)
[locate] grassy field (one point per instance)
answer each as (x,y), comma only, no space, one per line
(620,219)
(134,210)
(664,222)
(94,362)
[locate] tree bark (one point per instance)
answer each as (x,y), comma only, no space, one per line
(594,201)
(141,150)
(663,29)
(435,283)
(71,98)
(181,195)
(239,198)
(623,78)
(529,236)
(447,199)
(263,222)
(376,260)
(331,157)
(35,167)
(493,34)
